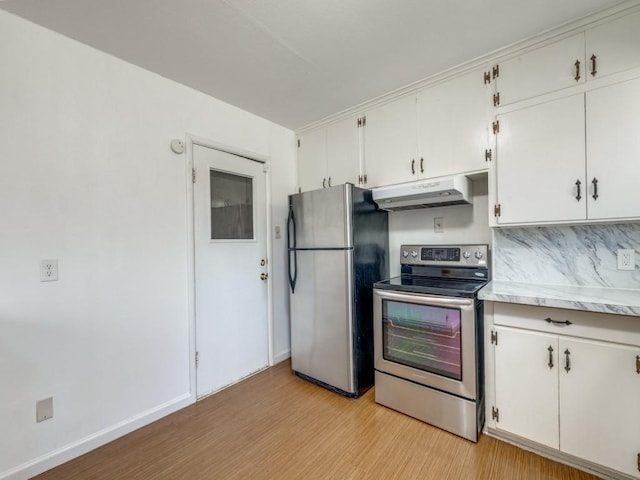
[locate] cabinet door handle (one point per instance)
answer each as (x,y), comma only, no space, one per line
(324,183)
(577,64)
(578,196)
(421,165)
(595,188)
(557,322)
(638,364)
(567,362)
(413,166)
(550,357)
(329,182)
(593,65)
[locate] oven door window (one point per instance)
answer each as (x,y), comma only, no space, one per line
(423,337)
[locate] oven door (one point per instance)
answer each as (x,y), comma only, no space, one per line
(426,339)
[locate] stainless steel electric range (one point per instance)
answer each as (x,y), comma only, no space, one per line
(428,337)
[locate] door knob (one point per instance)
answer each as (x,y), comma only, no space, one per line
(264,276)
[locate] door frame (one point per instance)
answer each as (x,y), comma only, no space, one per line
(191,141)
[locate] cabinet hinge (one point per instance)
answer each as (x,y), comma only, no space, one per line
(193,175)
(496,99)
(495,414)
(496,126)
(487,77)
(298,143)
(494,337)
(487,155)
(197,359)
(496,71)
(497,210)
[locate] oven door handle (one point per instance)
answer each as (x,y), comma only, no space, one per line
(426,299)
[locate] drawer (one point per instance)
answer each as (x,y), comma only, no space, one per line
(592,325)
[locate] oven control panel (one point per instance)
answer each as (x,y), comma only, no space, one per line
(449,255)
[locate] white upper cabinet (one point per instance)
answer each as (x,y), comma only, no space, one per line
(613,47)
(329,155)
(453,121)
(390,151)
(547,69)
(343,152)
(540,160)
(312,159)
(613,151)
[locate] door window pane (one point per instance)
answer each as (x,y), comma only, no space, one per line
(423,337)
(231,206)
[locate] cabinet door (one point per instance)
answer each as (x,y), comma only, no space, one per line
(543,70)
(390,143)
(526,378)
(613,150)
(343,152)
(616,46)
(540,157)
(453,125)
(600,403)
(312,159)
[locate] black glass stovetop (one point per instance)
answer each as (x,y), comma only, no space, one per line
(450,287)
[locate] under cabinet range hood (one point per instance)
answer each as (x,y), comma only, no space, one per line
(425,193)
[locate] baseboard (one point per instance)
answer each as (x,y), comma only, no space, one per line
(75,449)
(558,456)
(281,357)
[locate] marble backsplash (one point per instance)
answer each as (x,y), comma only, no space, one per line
(579,255)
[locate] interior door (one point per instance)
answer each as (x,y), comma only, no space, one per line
(230,268)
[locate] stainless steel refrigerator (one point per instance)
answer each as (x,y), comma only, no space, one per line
(338,246)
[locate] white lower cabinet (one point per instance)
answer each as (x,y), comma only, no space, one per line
(526,383)
(600,403)
(573,387)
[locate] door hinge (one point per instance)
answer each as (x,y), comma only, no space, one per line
(487,155)
(497,210)
(193,175)
(298,143)
(496,71)
(197,359)
(496,126)
(496,99)
(495,414)
(487,77)
(494,337)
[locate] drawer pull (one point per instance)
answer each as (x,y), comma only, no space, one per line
(638,364)
(413,167)
(550,357)
(557,322)
(577,77)
(567,362)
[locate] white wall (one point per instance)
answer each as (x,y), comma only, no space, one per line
(87,177)
(462,224)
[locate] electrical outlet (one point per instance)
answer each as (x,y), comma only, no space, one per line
(626,259)
(44,409)
(438,224)
(49,270)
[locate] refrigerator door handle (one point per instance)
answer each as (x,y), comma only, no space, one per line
(291,228)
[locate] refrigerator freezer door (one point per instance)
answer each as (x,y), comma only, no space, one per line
(322,218)
(322,318)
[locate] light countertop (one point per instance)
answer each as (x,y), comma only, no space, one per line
(591,299)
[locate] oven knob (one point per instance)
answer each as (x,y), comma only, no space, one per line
(478,255)
(414,254)
(466,254)
(405,254)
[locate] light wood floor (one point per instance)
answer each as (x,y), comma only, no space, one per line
(277,426)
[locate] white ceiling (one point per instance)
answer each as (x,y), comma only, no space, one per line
(297,61)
